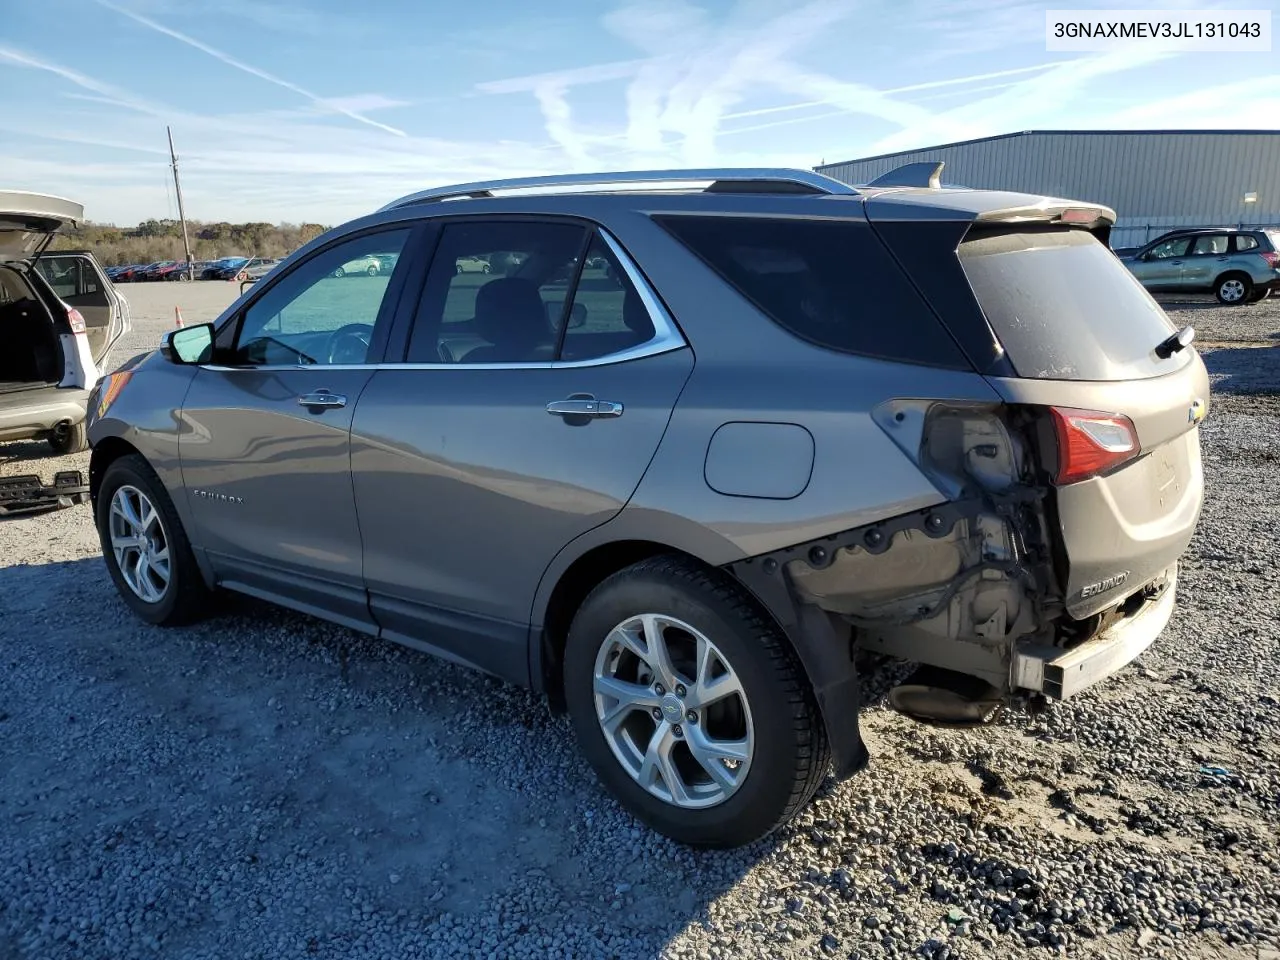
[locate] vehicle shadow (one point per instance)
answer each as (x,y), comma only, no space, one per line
(423,796)
(1244,370)
(22,451)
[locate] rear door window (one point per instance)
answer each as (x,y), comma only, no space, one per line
(1245,242)
(830,282)
(1065,308)
(1213,244)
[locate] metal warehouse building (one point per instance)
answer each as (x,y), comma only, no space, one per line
(1154,179)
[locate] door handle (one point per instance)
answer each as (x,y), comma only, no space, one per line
(323,399)
(584,408)
(1223,259)
(1176,263)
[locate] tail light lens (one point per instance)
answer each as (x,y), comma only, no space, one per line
(1272,258)
(1091,443)
(76,320)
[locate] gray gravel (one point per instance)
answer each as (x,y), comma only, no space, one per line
(266,785)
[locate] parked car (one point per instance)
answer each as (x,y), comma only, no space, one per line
(59,318)
(387,263)
(125,274)
(178,270)
(472,265)
(361,266)
(224,269)
(256,268)
(680,514)
(1236,266)
(151,271)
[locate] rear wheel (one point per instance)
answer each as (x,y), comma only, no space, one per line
(1233,289)
(691,705)
(72,439)
(372,270)
(146,549)
(1260,295)
(339,273)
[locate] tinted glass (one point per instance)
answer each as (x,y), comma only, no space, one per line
(324,310)
(69,276)
(1170,248)
(1212,244)
(1245,242)
(496,292)
(1065,308)
(829,282)
(608,315)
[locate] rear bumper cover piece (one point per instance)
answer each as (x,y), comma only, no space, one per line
(1061,673)
(30,494)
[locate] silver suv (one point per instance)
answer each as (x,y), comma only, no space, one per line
(1236,266)
(684,450)
(59,319)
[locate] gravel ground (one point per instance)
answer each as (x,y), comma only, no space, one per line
(266,785)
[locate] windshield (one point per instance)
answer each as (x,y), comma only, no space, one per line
(1065,308)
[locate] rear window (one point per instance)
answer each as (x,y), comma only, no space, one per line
(830,282)
(1065,308)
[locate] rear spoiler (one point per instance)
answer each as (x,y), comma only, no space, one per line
(1093,217)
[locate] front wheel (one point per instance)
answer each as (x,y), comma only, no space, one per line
(1233,289)
(691,705)
(339,273)
(146,549)
(372,271)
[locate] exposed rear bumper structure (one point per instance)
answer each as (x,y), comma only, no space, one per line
(1061,673)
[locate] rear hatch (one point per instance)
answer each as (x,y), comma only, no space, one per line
(28,222)
(1062,330)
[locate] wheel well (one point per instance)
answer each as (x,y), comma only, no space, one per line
(583,575)
(1232,273)
(105,452)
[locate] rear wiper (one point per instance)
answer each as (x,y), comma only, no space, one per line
(1178,341)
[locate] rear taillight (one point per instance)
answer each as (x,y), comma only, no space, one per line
(1091,443)
(76,320)
(1272,258)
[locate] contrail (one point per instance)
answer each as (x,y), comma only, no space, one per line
(247,68)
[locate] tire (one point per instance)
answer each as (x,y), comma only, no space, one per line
(339,273)
(74,440)
(485,268)
(775,713)
(1233,289)
(185,597)
(372,271)
(1259,295)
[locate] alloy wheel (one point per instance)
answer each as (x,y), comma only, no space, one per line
(1231,291)
(673,711)
(140,544)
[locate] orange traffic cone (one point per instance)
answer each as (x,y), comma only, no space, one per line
(177,316)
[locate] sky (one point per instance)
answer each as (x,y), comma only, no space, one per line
(320,111)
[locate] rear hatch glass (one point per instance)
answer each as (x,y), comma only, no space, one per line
(1065,308)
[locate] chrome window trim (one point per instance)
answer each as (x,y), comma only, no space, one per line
(666,338)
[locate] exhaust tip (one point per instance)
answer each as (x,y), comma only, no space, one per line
(946,698)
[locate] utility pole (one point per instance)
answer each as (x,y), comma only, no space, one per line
(182,215)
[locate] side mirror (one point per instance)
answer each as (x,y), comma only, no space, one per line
(188,345)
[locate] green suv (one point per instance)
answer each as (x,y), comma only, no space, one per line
(1236,266)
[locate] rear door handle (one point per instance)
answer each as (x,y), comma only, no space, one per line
(1223,259)
(322,398)
(584,408)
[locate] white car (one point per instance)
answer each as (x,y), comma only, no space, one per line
(59,318)
(360,266)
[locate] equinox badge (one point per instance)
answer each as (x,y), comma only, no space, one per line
(1102,586)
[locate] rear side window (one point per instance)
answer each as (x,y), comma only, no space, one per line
(1065,308)
(68,276)
(1245,242)
(830,282)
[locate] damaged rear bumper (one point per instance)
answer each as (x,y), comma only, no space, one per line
(1060,674)
(29,494)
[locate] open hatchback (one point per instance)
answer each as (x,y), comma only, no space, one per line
(59,319)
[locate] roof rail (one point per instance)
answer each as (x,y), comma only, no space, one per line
(926,173)
(722,180)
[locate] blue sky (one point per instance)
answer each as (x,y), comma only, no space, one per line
(323,110)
